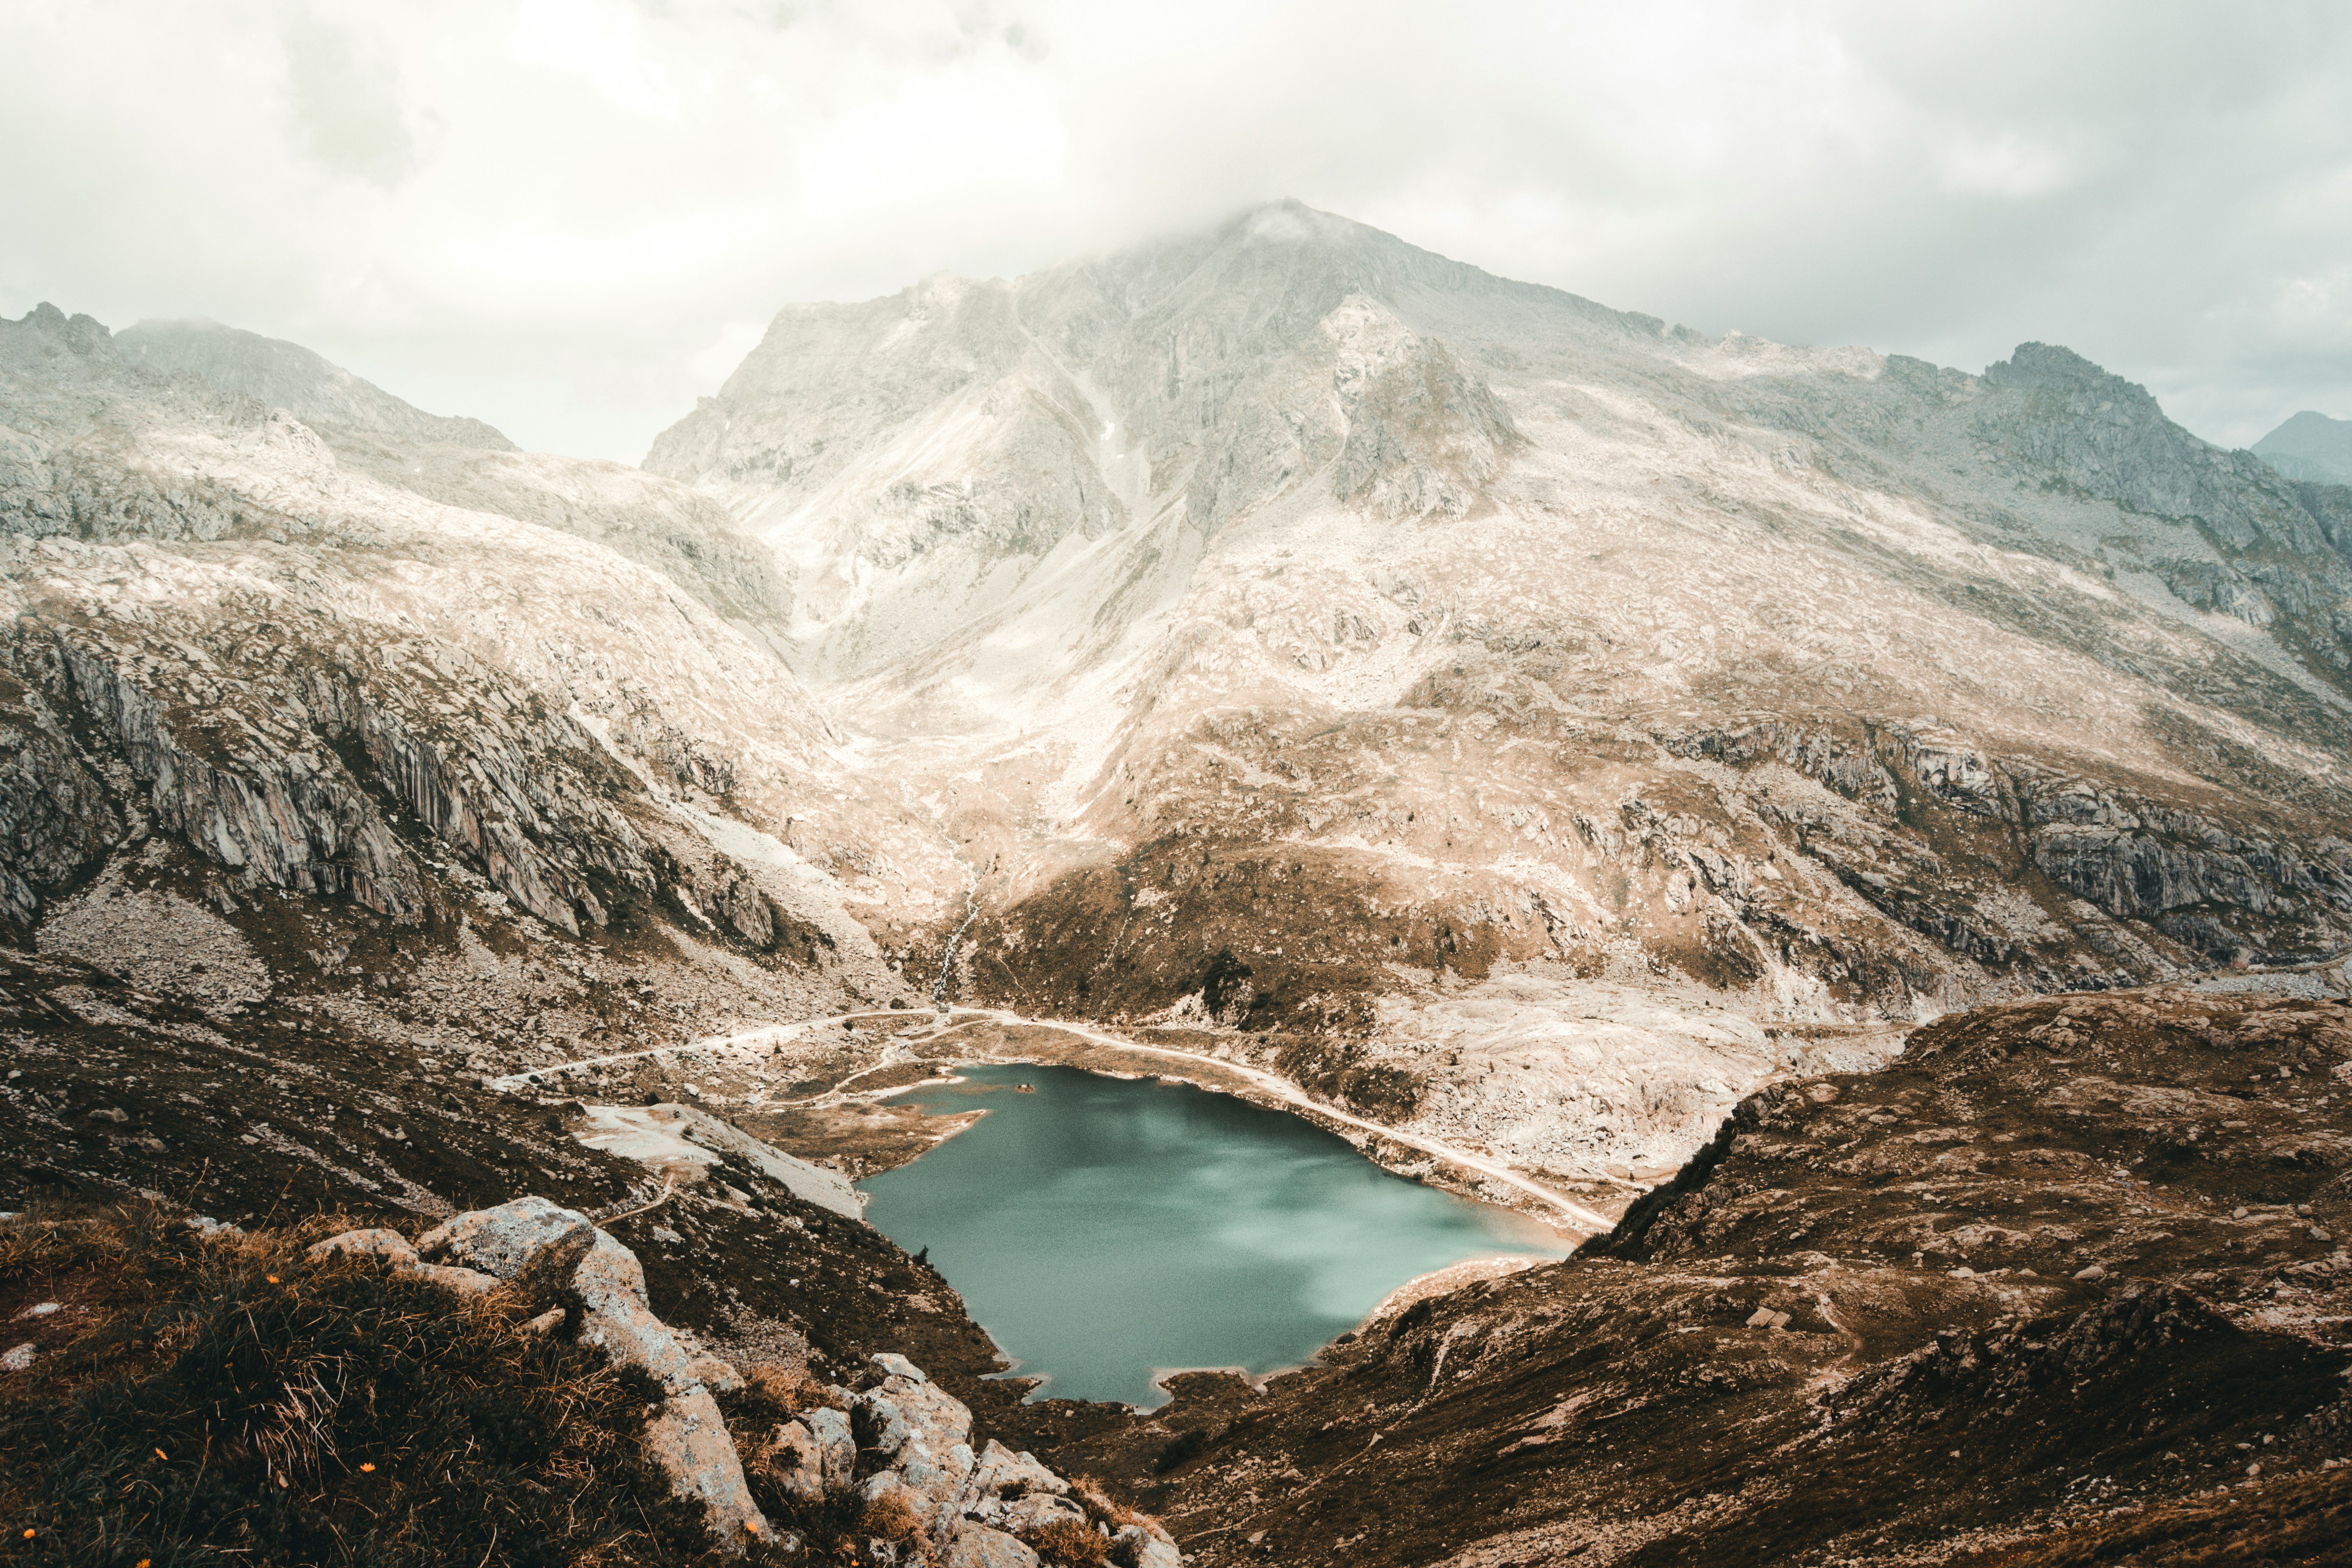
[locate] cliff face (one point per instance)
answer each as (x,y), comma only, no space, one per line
(353,692)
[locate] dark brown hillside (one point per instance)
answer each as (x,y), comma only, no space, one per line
(2066,1284)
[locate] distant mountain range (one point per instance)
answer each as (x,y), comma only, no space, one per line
(2312,448)
(290,376)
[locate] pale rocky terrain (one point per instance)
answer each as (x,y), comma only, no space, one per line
(482,745)
(1522,722)
(1527,719)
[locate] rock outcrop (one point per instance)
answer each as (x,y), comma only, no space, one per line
(532,1241)
(914,1445)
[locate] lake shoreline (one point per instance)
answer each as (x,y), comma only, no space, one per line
(1121,1228)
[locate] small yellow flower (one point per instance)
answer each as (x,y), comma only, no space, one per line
(163,1456)
(368,1467)
(271,1278)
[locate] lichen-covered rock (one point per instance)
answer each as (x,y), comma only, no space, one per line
(836,1450)
(1003,1473)
(796,1460)
(1034,1512)
(932,1483)
(904,1409)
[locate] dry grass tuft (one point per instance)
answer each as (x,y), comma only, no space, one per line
(776,1391)
(891,1517)
(1069,1544)
(1088,1494)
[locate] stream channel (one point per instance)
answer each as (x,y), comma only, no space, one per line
(1107,1230)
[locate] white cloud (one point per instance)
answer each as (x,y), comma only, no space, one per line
(559,214)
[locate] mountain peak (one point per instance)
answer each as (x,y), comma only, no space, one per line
(2311,447)
(287,376)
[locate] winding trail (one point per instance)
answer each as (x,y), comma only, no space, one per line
(1590,1221)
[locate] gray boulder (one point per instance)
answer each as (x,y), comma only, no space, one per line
(796,1459)
(977,1546)
(534,1240)
(835,1448)
(1144,1546)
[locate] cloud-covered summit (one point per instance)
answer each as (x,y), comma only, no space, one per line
(569,217)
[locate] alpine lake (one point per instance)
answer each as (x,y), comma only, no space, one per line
(1106,1231)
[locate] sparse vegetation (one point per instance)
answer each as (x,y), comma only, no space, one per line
(219,1399)
(1089,1493)
(1069,1544)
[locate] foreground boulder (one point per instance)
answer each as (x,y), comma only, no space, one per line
(533,1242)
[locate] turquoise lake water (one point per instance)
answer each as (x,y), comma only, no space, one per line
(1102,1229)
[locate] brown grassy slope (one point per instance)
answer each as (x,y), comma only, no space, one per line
(1942,1383)
(285,1111)
(200,1399)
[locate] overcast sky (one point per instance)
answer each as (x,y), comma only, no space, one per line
(570,216)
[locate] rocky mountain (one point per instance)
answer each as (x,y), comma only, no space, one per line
(286,375)
(1440,676)
(1522,722)
(469,739)
(2311,447)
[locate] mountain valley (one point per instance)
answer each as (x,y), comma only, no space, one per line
(1862,846)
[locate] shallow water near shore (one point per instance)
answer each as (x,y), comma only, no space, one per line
(1104,1229)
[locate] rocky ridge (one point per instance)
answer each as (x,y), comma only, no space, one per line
(280,375)
(417,701)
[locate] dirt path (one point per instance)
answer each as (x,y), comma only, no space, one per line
(1590,1221)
